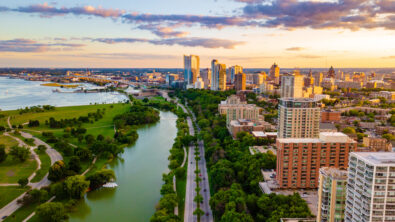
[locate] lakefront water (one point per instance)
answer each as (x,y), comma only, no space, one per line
(19,93)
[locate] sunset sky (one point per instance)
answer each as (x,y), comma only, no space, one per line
(156,33)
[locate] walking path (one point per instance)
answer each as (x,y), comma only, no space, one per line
(54,156)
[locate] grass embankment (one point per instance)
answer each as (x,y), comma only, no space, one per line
(12,170)
(181,185)
(7,194)
(52,84)
(8,141)
(45,165)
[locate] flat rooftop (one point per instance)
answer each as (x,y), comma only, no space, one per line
(377,158)
(325,137)
(334,173)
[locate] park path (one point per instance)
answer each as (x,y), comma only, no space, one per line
(54,156)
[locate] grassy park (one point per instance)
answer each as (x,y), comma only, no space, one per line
(9,193)
(12,170)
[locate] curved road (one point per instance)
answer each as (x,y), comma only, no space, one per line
(52,153)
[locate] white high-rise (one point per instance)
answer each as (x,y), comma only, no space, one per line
(371,187)
(191,68)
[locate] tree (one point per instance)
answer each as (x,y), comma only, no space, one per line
(168,202)
(100,177)
(23,182)
(76,186)
(57,171)
(233,216)
(389,137)
(75,164)
(349,130)
(3,154)
(20,153)
(51,212)
(34,196)
(83,153)
(42,148)
(198,212)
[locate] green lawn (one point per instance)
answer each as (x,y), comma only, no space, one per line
(7,194)
(45,164)
(22,213)
(12,170)
(8,141)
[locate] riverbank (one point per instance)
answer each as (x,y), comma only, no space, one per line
(53,84)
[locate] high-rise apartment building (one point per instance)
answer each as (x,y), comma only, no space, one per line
(240,81)
(214,75)
(299,159)
(331,194)
(298,118)
(206,77)
(292,86)
(318,78)
(191,68)
(274,73)
(371,187)
(258,78)
(218,76)
(234,70)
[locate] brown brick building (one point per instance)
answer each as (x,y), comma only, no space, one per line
(328,116)
(299,159)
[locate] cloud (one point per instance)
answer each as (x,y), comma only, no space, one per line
(388,57)
(163,32)
(348,14)
(27,45)
(46,10)
(304,56)
(190,42)
(117,56)
(295,49)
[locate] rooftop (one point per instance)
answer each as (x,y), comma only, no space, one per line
(325,137)
(377,158)
(334,172)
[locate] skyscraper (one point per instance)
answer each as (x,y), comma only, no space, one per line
(331,72)
(191,68)
(218,75)
(298,118)
(331,194)
(214,75)
(240,81)
(234,70)
(371,187)
(274,73)
(292,85)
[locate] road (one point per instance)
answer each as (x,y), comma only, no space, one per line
(52,153)
(190,193)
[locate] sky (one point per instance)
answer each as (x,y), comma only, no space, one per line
(157,33)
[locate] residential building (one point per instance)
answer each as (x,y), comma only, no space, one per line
(298,118)
(232,100)
(292,86)
(234,70)
(318,78)
(206,77)
(299,159)
(331,194)
(240,81)
(199,84)
(214,75)
(218,73)
(376,144)
(191,68)
(274,73)
(258,78)
(244,125)
(390,96)
(330,116)
(371,187)
(242,111)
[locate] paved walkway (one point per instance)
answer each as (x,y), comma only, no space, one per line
(54,156)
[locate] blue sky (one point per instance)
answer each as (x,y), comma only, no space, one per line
(156,33)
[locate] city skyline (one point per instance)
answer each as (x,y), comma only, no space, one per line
(155,34)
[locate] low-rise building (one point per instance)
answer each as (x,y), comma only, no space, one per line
(377,144)
(243,125)
(330,116)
